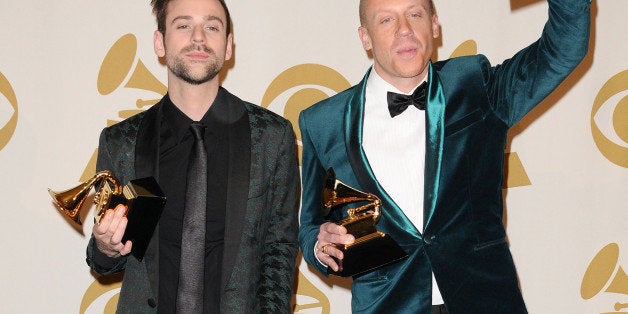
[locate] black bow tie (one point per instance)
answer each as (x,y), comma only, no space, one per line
(397,103)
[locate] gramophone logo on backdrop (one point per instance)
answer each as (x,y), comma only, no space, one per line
(118,64)
(300,87)
(606,276)
(609,119)
(8,111)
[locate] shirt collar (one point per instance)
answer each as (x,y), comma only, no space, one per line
(377,83)
(179,123)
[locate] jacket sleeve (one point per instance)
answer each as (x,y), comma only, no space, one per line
(280,246)
(312,174)
(98,261)
(523,81)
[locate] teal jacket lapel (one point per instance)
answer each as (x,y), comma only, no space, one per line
(353,123)
(435,130)
(435,135)
(353,126)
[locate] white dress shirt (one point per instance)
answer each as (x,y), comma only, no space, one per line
(395,149)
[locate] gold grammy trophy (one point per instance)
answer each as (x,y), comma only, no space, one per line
(372,248)
(143,197)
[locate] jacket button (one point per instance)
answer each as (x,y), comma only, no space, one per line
(429,239)
(152,303)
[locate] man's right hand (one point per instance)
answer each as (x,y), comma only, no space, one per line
(108,233)
(329,235)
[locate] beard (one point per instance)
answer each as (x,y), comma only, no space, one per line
(177,65)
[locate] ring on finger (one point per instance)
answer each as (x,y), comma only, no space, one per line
(323,248)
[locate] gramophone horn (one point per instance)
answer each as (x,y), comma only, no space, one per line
(71,201)
(601,271)
(143,79)
(372,248)
(335,192)
(117,65)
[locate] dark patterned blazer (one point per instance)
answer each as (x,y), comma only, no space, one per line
(261,225)
(470,107)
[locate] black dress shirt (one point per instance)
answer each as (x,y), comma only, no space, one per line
(174,151)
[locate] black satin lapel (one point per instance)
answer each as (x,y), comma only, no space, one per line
(147,144)
(147,164)
(238,183)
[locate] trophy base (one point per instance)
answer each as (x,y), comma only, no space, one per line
(368,255)
(145,202)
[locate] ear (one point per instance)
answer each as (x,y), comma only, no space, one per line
(229,48)
(365,38)
(158,43)
(435,26)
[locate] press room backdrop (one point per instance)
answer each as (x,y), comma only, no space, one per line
(68,68)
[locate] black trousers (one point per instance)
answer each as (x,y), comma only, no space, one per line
(439,309)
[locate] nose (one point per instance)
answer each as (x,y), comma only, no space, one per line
(403,28)
(198,35)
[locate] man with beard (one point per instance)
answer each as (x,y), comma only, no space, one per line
(247,190)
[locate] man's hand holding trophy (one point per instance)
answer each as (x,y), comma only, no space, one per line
(353,245)
(141,201)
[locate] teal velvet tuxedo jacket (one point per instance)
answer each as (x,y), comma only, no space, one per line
(261,225)
(471,106)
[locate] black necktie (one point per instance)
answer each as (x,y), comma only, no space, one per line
(191,269)
(397,103)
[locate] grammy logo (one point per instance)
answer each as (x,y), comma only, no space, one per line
(116,66)
(8,125)
(604,274)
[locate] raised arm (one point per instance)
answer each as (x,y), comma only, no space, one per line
(523,81)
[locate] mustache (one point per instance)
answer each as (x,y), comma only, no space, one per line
(203,48)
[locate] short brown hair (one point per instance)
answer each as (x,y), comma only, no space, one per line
(363,13)
(160,10)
